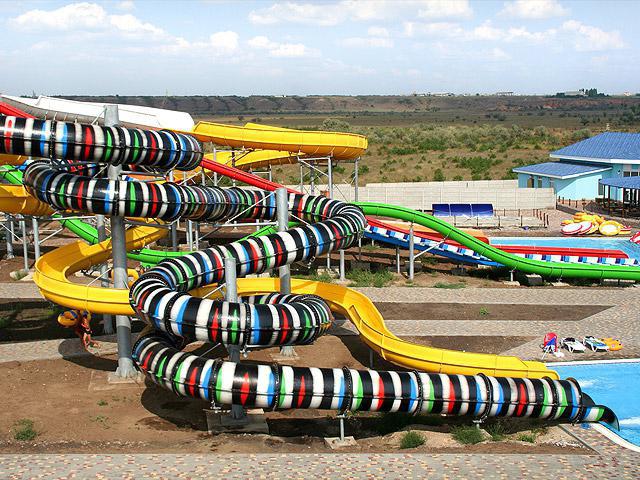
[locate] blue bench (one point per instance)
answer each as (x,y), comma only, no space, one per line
(462,209)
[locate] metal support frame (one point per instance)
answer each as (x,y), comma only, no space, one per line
(107,320)
(284,272)
(231,295)
(174,225)
(25,243)
(36,238)
(411,253)
(9,234)
(342,267)
(119,255)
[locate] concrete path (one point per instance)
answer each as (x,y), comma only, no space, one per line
(607,462)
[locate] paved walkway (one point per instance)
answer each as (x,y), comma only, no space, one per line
(621,320)
(608,462)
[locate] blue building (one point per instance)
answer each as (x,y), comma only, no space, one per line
(576,171)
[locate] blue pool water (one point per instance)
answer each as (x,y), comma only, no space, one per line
(616,385)
(624,244)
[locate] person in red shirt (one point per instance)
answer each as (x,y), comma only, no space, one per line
(80,320)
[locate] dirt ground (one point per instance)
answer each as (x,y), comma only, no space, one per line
(74,409)
(464,311)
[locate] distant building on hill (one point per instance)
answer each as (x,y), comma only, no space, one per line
(589,169)
(505,94)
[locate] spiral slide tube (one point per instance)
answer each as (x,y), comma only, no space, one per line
(160,297)
(283,387)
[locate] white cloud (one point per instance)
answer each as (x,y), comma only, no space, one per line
(483,32)
(130,24)
(365,42)
(280,50)
(378,32)
(328,14)
(498,54)
(75,16)
(587,38)
(224,42)
(436,9)
(534,9)
(82,17)
(126,5)
(377,37)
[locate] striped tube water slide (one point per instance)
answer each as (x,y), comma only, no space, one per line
(160,296)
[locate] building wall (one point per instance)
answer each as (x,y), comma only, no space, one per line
(579,188)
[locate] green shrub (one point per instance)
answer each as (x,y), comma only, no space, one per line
(527,437)
(467,435)
(483,311)
(449,285)
(438,176)
(24,430)
(411,440)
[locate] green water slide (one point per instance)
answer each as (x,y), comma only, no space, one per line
(546,269)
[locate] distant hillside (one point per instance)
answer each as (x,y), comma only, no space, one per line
(200,106)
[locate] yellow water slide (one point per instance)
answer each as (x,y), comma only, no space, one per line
(251,136)
(54,269)
(15,199)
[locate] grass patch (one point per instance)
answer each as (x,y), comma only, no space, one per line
(411,440)
(365,278)
(24,430)
(497,431)
(484,311)
(101,420)
(451,286)
(527,437)
(102,403)
(467,435)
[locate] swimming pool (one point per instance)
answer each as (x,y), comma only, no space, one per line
(624,244)
(616,385)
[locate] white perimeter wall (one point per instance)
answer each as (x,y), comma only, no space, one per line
(502,194)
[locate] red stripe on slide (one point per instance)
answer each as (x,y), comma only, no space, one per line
(522,399)
(380,393)
(192,381)
(88,142)
(7,138)
(244,389)
(452,397)
(302,392)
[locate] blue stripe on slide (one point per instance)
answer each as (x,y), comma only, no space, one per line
(205,384)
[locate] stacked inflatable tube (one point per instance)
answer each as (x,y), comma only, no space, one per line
(160,296)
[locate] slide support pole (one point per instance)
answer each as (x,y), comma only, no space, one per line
(107,320)
(355,180)
(284,272)
(412,256)
(397,260)
(9,236)
(25,247)
(342,272)
(36,238)
(174,226)
(231,295)
(119,255)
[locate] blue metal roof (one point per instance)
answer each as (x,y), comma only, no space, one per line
(622,182)
(561,169)
(606,146)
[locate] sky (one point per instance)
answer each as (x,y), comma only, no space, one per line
(350,47)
